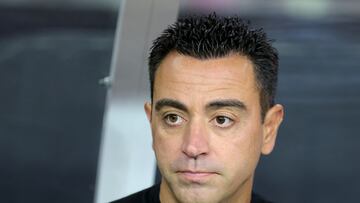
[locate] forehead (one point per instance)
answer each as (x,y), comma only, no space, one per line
(187,78)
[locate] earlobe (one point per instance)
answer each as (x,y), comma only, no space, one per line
(147,108)
(272,121)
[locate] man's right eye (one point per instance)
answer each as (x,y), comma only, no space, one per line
(173,119)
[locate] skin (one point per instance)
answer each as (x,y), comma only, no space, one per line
(207,130)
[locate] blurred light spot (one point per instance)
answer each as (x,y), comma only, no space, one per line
(308,8)
(209,5)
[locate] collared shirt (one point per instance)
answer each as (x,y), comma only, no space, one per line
(151,195)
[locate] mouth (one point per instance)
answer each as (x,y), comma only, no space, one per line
(196,176)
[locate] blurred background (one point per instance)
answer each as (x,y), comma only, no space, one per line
(70,133)
(52,55)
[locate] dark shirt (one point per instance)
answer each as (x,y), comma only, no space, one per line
(151,195)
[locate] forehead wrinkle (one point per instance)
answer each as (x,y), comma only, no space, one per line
(211,81)
(207,87)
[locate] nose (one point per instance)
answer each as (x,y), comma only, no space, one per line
(196,140)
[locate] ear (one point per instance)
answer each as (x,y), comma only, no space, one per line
(272,121)
(147,108)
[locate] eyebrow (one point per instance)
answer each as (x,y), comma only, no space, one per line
(170,103)
(227,103)
(212,105)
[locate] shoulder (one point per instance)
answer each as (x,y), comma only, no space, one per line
(149,195)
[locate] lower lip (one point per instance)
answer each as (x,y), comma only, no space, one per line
(196,177)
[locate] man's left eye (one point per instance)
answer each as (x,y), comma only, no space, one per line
(223,121)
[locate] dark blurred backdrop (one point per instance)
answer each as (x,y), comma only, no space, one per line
(51,105)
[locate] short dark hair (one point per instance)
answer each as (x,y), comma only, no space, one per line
(211,36)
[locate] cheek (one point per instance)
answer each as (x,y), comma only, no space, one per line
(242,151)
(166,145)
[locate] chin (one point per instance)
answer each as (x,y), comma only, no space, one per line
(196,194)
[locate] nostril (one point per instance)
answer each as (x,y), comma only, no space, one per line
(195,141)
(194,152)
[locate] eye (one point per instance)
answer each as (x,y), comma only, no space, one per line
(223,121)
(173,119)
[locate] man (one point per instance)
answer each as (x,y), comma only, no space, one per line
(212,110)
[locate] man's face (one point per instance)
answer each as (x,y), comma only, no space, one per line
(207,128)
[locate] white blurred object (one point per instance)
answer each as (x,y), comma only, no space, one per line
(126,161)
(308,8)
